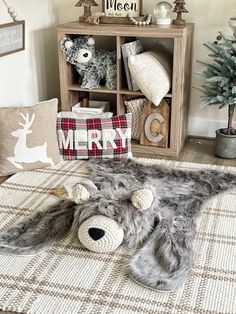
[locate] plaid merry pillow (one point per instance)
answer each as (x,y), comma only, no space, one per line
(95,138)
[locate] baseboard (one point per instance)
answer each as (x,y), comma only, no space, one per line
(198,137)
(204,127)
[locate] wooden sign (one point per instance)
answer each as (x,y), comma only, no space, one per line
(155,125)
(121,8)
(12,38)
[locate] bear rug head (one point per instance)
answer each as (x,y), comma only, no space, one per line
(147,207)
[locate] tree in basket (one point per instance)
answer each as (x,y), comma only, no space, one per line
(219,89)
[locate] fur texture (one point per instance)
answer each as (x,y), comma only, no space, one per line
(40,231)
(162,234)
(165,259)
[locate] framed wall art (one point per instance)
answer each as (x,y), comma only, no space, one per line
(121,8)
(12,37)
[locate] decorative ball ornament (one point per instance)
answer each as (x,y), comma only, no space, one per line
(95,18)
(163,13)
(143,22)
(12,12)
(142,199)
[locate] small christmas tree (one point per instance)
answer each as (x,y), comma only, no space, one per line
(87,4)
(179,9)
(220,85)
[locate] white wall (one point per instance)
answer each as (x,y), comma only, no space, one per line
(209,18)
(32,75)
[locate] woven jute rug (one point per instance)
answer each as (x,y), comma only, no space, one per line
(69,279)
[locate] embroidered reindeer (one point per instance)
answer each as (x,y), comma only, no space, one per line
(24,154)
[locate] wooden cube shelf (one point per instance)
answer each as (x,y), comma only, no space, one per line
(181,36)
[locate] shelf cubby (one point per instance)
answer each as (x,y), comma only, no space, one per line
(177,38)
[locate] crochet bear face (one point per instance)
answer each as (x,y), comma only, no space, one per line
(106,221)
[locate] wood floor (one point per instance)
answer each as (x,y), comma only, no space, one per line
(202,151)
(199,151)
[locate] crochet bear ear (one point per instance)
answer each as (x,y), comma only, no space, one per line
(91,41)
(69,44)
(142,199)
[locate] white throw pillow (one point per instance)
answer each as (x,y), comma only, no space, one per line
(135,106)
(152,72)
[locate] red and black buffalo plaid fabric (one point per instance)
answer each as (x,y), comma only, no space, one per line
(95,138)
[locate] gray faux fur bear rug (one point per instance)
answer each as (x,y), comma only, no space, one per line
(163,234)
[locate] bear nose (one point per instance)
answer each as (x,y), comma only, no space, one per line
(85,55)
(96,233)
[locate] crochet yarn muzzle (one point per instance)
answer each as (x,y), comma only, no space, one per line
(101,234)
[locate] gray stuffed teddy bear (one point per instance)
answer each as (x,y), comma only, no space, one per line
(93,65)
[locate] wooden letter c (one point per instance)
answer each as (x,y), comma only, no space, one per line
(147,128)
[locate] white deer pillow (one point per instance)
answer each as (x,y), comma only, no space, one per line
(28,138)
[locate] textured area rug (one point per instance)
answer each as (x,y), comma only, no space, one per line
(69,279)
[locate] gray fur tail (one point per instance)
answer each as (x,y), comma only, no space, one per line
(40,231)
